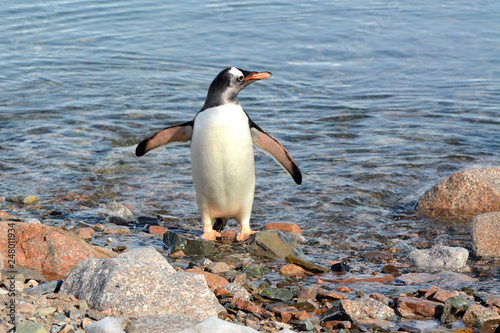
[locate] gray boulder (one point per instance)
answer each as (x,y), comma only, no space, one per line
(165,323)
(141,282)
(273,244)
(439,258)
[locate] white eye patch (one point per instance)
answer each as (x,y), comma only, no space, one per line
(235,71)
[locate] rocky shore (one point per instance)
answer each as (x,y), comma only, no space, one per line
(55,279)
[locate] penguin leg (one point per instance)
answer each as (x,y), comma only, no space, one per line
(245,230)
(208,232)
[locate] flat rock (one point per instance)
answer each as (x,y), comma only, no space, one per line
(411,307)
(306,264)
(486,235)
(213,324)
(367,307)
(27,326)
(166,323)
(51,251)
(277,294)
(141,282)
(189,246)
(467,192)
(292,270)
(439,295)
(439,258)
(273,244)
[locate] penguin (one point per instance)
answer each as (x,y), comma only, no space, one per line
(222,136)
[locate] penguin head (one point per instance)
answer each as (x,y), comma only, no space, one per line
(226,86)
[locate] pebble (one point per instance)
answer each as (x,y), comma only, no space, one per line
(476,315)
(157,230)
(85,232)
(439,258)
(306,264)
(116,230)
(189,246)
(285,227)
(292,270)
(272,244)
(218,267)
(277,294)
(367,307)
(411,307)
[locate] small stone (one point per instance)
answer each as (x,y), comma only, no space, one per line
(391,269)
(308,293)
(82,305)
(329,295)
(292,270)
(85,232)
(25,307)
(106,325)
(486,235)
(254,271)
(228,236)
(381,298)
(439,295)
(189,246)
(454,307)
(45,311)
(306,325)
(27,326)
(240,279)
(285,312)
(241,303)
(161,323)
(367,307)
(301,315)
(177,254)
(30,200)
(157,230)
(410,307)
(308,306)
(218,267)
(343,289)
(277,294)
(285,227)
(235,289)
(439,258)
(214,281)
(476,315)
(307,265)
(272,244)
(116,230)
(85,322)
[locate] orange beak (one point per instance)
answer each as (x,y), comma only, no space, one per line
(259,76)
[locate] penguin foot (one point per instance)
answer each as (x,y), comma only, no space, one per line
(210,235)
(243,235)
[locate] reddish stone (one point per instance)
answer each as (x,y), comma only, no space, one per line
(344,290)
(2,213)
(486,235)
(367,307)
(228,236)
(467,192)
(308,293)
(439,295)
(410,307)
(476,315)
(285,227)
(157,230)
(116,230)
(292,270)
(240,279)
(177,254)
(284,312)
(51,251)
(25,307)
(85,233)
(240,302)
(334,325)
(214,281)
(329,295)
(301,315)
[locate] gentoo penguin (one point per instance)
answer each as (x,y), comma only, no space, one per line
(222,158)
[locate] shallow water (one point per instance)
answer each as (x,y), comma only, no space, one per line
(376,102)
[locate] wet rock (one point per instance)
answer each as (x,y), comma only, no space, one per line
(218,267)
(367,307)
(272,244)
(486,235)
(189,246)
(306,264)
(391,269)
(27,326)
(309,292)
(51,251)
(493,300)
(240,302)
(236,289)
(467,192)
(439,295)
(285,227)
(442,279)
(214,281)
(240,279)
(476,315)
(228,236)
(166,323)
(213,324)
(254,271)
(490,326)
(30,200)
(410,307)
(277,294)
(116,220)
(25,307)
(106,325)
(292,270)
(454,308)
(116,209)
(439,258)
(336,313)
(116,230)
(157,230)
(329,295)
(284,312)
(141,282)
(85,233)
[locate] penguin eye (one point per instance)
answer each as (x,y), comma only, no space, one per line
(240,78)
